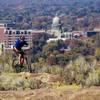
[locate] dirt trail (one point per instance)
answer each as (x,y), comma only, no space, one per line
(52,94)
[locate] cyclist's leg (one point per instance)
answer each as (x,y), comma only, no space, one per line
(15,62)
(21,58)
(16,51)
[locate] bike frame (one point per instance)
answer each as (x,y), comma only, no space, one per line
(27,58)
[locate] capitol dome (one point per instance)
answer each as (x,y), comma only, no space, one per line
(56,21)
(56,27)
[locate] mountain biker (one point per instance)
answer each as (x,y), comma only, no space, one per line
(17,48)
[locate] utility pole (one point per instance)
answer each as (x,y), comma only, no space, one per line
(2,54)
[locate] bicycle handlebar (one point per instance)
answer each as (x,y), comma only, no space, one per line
(27,48)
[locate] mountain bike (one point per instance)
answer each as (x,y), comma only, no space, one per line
(27,62)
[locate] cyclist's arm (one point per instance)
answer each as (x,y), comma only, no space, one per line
(27,46)
(25,43)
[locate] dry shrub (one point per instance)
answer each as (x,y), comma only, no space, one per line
(94,78)
(77,71)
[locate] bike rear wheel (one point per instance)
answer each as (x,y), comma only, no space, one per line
(15,64)
(26,66)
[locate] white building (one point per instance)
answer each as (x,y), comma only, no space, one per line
(55,30)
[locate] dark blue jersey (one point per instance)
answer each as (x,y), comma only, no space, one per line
(19,44)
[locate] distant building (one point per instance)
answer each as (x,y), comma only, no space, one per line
(59,33)
(9,35)
(2,25)
(97,29)
(2,30)
(91,33)
(78,33)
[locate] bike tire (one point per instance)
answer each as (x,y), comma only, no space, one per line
(15,64)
